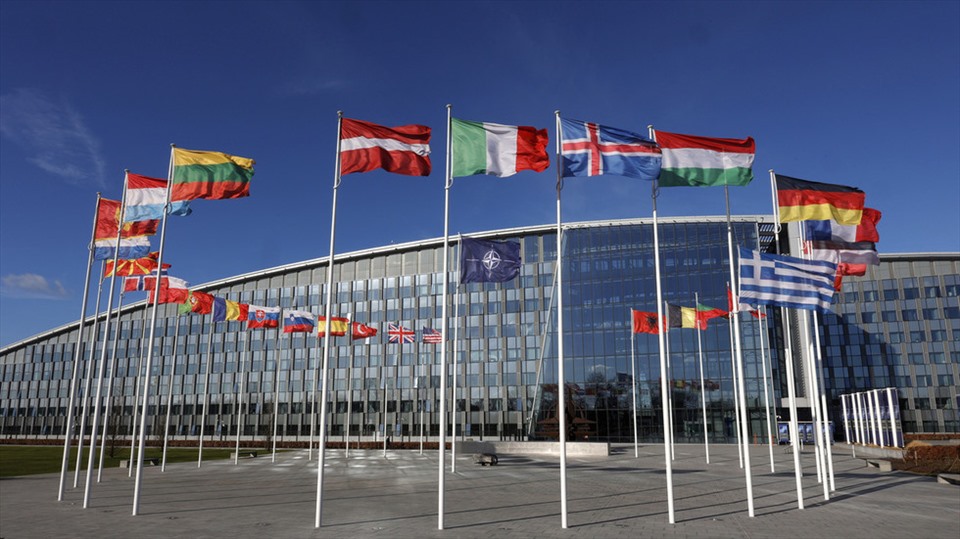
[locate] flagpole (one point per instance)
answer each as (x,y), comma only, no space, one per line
(346,450)
(276,392)
(113,374)
(448,182)
(173,368)
(153,330)
(91,365)
(744,431)
(788,361)
(316,382)
(543,345)
(668,401)
(561,386)
(818,357)
(633,383)
(77,357)
(206,390)
(763,363)
(456,366)
(663,359)
(138,384)
(733,380)
(326,341)
(703,394)
(240,391)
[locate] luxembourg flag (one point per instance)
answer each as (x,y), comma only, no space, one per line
(263,317)
(298,321)
(129,248)
(145,198)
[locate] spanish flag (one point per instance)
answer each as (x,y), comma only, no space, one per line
(802,200)
(338,327)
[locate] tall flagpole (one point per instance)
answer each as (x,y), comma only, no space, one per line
(448,182)
(633,383)
(153,329)
(326,341)
(733,379)
(276,391)
(138,385)
(744,432)
(456,366)
(668,401)
(667,425)
(77,357)
(703,394)
(316,385)
(173,368)
(240,390)
(561,385)
(113,374)
(206,390)
(91,365)
(763,363)
(825,428)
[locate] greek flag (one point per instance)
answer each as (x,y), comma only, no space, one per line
(785,281)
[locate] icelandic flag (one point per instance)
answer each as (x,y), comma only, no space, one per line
(263,317)
(486,261)
(145,198)
(138,247)
(298,321)
(591,149)
(785,281)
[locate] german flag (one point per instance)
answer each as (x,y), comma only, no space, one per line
(802,200)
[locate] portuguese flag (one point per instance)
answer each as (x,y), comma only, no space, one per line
(694,161)
(497,150)
(210,175)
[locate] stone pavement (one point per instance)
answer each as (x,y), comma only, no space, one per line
(368,495)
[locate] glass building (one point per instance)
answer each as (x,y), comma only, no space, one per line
(504,337)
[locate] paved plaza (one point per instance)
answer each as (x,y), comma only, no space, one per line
(369,495)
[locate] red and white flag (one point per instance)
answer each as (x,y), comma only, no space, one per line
(365,146)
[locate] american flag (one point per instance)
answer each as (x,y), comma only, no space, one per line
(399,334)
(432,336)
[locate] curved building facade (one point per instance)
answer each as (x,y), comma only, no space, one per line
(504,337)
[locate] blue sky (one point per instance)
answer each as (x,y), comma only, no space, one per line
(858,93)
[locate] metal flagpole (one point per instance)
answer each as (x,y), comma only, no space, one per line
(875,397)
(663,359)
(173,368)
(668,400)
(346,449)
(456,366)
(416,386)
(846,424)
(240,390)
(788,360)
(825,419)
(276,392)
(77,357)
(153,330)
(766,393)
(633,382)
(206,390)
(543,343)
(703,394)
(893,421)
(138,386)
(736,393)
(744,432)
(316,386)
(110,378)
(561,386)
(442,447)
(814,406)
(321,450)
(91,365)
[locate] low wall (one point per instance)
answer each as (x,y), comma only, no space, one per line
(574,449)
(871,452)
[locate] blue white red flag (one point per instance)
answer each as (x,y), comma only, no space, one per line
(145,199)
(590,149)
(785,281)
(298,321)
(263,317)
(138,247)
(432,336)
(399,334)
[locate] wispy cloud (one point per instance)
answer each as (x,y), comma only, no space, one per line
(53,135)
(31,286)
(312,87)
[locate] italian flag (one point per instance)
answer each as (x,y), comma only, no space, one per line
(497,150)
(689,160)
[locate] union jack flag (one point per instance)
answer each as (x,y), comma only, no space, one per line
(399,334)
(591,149)
(432,336)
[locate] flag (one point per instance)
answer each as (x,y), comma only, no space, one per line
(487,261)
(690,160)
(263,317)
(108,219)
(705,313)
(338,326)
(830,230)
(682,317)
(136,266)
(590,149)
(801,200)
(197,302)
(298,321)
(129,248)
(362,331)
(743,306)
(133,284)
(497,150)
(785,281)
(209,175)
(172,289)
(226,310)
(645,322)
(146,197)
(432,336)
(365,146)
(399,334)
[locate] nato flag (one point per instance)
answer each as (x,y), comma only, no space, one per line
(485,261)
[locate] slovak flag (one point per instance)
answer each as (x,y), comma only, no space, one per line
(590,149)
(298,321)
(263,317)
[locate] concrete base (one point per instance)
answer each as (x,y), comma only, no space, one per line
(148,462)
(883,465)
(871,452)
(574,449)
(949,479)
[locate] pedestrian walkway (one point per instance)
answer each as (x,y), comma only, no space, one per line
(369,495)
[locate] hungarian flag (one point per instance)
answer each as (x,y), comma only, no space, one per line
(645,322)
(137,266)
(225,310)
(690,160)
(497,150)
(146,198)
(197,302)
(210,175)
(365,146)
(362,331)
(263,317)
(338,327)
(802,200)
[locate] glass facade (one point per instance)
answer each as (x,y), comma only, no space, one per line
(505,346)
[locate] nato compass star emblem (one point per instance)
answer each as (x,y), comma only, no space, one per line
(491,260)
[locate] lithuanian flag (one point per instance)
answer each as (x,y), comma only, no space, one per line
(210,175)
(802,200)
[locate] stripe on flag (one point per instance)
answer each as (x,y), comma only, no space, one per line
(785,281)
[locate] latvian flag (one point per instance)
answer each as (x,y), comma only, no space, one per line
(365,146)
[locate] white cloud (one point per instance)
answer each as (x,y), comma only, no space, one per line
(53,135)
(31,286)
